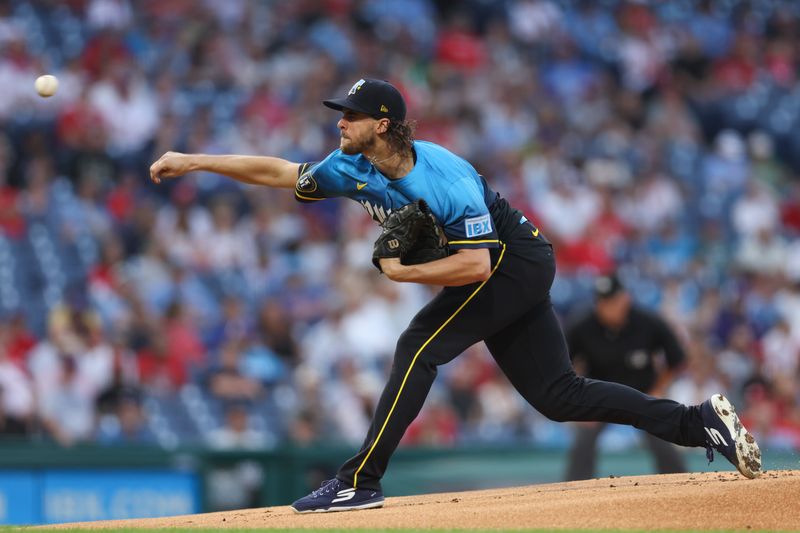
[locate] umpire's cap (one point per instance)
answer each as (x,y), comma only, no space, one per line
(607,286)
(376,98)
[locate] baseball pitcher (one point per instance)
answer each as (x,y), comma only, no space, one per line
(497,268)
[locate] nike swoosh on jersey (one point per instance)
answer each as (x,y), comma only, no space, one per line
(360,186)
(535,232)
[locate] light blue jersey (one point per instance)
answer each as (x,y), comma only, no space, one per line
(457,195)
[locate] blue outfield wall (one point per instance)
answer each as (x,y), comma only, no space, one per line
(57,496)
(84,495)
(20,497)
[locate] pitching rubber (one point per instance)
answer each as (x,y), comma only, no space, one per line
(748,455)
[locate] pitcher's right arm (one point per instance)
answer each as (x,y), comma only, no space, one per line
(254,170)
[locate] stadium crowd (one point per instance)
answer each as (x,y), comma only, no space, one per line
(658,140)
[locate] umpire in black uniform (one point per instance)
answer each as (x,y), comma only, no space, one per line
(617,341)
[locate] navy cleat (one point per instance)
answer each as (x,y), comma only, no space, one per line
(335,495)
(726,434)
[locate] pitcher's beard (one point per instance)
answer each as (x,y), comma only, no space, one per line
(353,148)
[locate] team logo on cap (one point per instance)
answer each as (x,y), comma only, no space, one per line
(356,86)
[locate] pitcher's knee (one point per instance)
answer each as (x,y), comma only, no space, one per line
(561,398)
(405,346)
(413,345)
(408,354)
(554,410)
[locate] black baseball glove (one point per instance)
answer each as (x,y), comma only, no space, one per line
(412,234)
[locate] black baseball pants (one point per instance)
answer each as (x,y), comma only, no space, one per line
(512,313)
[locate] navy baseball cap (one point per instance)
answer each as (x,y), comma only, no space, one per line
(607,286)
(376,98)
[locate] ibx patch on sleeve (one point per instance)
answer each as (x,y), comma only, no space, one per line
(477,226)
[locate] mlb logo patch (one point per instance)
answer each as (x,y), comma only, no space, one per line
(474,227)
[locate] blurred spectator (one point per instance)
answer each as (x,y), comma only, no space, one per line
(437,425)
(642,51)
(568,210)
(12,224)
(127,425)
(44,359)
(468,374)
(276,331)
(700,377)
(501,411)
(350,399)
(304,428)
(240,485)
(225,379)
(781,352)
(236,431)
(124,378)
(762,252)
(654,202)
(125,102)
(67,409)
(109,14)
(17,339)
(182,226)
(97,357)
(184,352)
(766,169)
(233,325)
(228,251)
(736,362)
(755,212)
(16,394)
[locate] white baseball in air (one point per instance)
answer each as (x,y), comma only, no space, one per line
(46,85)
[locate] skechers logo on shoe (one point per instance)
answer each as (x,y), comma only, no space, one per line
(716,437)
(344,495)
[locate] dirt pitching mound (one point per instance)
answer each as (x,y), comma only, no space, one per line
(676,501)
